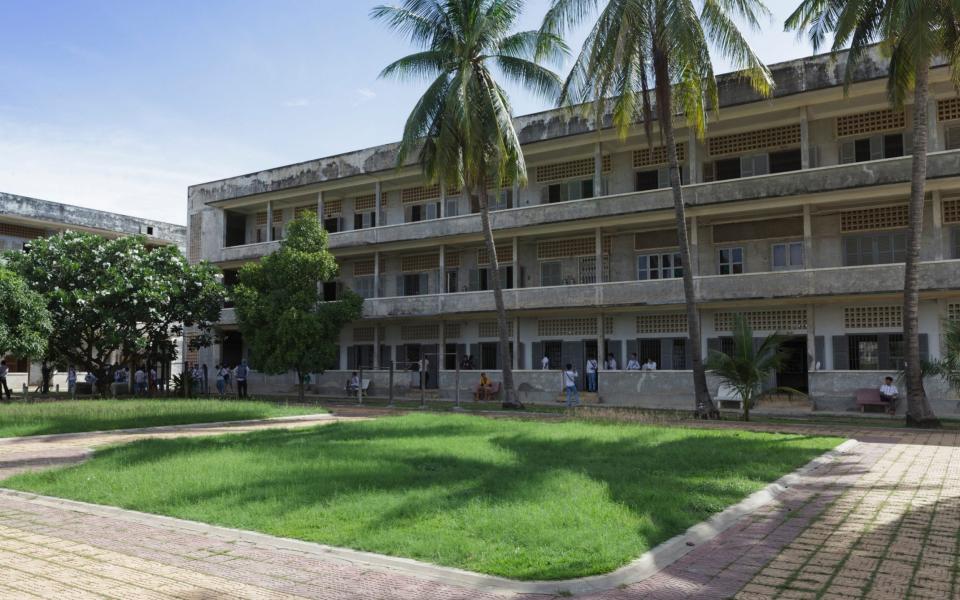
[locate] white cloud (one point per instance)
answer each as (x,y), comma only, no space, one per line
(364,95)
(296,102)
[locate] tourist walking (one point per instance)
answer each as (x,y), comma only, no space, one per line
(591,374)
(570,386)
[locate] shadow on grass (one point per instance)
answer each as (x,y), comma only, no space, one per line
(519,499)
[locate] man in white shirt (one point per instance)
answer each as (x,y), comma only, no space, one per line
(591,374)
(545,363)
(140,381)
(570,386)
(650,365)
(633,364)
(611,363)
(889,393)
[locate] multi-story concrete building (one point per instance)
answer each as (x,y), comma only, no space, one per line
(23,219)
(797,217)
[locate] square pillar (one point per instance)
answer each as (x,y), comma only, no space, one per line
(812,339)
(693,240)
(516,265)
(937,233)
(376,274)
(442,283)
(378,203)
(516,338)
(933,134)
(320,207)
(597,170)
(807,238)
(269,221)
(598,241)
(376,346)
(692,165)
(443,200)
(804,138)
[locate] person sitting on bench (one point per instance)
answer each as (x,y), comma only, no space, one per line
(889,393)
(484,388)
(354,383)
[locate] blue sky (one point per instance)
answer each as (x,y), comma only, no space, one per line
(121,105)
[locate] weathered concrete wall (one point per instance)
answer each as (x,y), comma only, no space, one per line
(835,391)
(65,216)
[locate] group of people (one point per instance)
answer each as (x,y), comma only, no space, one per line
(225,378)
(609,364)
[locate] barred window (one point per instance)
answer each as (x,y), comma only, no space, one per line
(364,267)
(419,332)
(196,221)
(451,331)
(422,262)
(873,317)
(675,322)
(488,329)
(586,246)
(364,334)
(649,157)
(948,110)
(873,219)
(747,141)
(565,327)
(571,169)
(764,320)
(951,211)
(367,202)
(504,255)
(871,121)
(332,207)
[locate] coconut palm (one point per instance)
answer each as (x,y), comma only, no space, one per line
(666,43)
(461,128)
(912,33)
(749,367)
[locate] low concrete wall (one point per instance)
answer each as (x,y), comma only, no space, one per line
(648,389)
(835,390)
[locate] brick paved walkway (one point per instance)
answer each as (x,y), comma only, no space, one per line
(880,521)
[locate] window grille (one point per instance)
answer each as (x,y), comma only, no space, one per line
(873,219)
(420,194)
(332,208)
(420,262)
(586,246)
(740,143)
(675,322)
(368,202)
(648,157)
(277,216)
(869,122)
(451,331)
(764,320)
(951,211)
(953,311)
(363,334)
(31,233)
(364,267)
(300,210)
(565,327)
(261,218)
(419,332)
(451,259)
(571,169)
(948,110)
(488,329)
(873,317)
(608,325)
(504,255)
(196,221)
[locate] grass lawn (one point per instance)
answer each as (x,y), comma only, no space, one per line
(100,415)
(522,499)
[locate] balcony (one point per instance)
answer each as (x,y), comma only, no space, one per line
(839,281)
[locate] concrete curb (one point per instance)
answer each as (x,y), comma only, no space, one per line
(639,569)
(52,437)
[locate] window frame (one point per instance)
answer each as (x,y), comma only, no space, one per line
(731,264)
(660,269)
(787,246)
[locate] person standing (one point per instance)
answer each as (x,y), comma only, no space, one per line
(611,363)
(241,373)
(570,386)
(545,363)
(140,382)
(4,388)
(206,379)
(650,365)
(591,374)
(633,364)
(221,382)
(72,382)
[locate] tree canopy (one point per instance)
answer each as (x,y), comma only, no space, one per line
(24,319)
(119,296)
(281,313)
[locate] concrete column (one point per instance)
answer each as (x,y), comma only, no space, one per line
(378,203)
(597,170)
(937,237)
(376,274)
(933,137)
(598,241)
(441,349)
(804,138)
(692,164)
(269,221)
(442,284)
(376,346)
(601,355)
(693,240)
(812,338)
(942,315)
(516,265)
(320,207)
(516,194)
(516,341)
(807,238)
(443,200)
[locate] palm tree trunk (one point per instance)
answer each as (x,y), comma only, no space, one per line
(704,406)
(919,413)
(506,361)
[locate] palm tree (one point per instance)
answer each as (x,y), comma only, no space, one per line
(912,33)
(667,43)
(749,367)
(462,127)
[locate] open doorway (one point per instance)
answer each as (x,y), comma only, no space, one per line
(793,370)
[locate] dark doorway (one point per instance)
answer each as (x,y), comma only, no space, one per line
(231,348)
(793,371)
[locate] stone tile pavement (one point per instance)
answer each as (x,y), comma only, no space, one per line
(880,521)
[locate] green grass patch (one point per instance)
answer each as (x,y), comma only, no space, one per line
(101,415)
(521,499)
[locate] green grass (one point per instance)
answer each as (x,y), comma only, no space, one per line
(100,415)
(521,499)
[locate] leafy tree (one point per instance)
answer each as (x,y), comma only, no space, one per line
(947,367)
(462,128)
(24,319)
(280,310)
(750,366)
(636,43)
(117,298)
(912,33)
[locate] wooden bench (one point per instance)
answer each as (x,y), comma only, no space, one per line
(727,395)
(491,393)
(871,397)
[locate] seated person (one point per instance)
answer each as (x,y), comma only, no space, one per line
(889,393)
(484,388)
(650,365)
(353,384)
